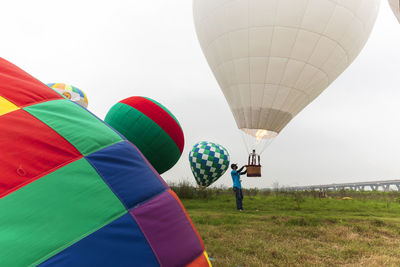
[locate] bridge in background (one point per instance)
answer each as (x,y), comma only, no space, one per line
(361,186)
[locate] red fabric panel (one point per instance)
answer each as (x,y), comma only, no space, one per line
(201,261)
(22,89)
(159,116)
(29,149)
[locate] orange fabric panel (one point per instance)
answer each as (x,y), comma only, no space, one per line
(201,261)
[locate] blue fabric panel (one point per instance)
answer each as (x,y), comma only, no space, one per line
(120,243)
(126,172)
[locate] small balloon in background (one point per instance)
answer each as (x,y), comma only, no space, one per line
(71,92)
(151,127)
(208,162)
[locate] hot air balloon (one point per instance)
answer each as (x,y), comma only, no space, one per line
(272,58)
(73,192)
(208,162)
(151,127)
(71,92)
(395,5)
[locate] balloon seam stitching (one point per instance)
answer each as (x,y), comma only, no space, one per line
(275,26)
(106,182)
(39,176)
(102,147)
(265,82)
(165,109)
(166,113)
(102,121)
(146,237)
(287,62)
(77,239)
(197,257)
(149,165)
(188,222)
(140,203)
(168,134)
(188,218)
(210,14)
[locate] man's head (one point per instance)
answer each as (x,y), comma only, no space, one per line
(234,166)
(254,151)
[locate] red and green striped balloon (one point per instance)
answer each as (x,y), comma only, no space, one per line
(151,127)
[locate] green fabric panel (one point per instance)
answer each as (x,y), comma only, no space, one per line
(83,130)
(42,218)
(165,109)
(155,144)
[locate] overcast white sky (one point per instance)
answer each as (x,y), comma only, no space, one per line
(116,49)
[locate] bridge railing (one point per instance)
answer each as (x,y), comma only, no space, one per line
(359,186)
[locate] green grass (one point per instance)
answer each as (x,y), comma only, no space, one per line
(287,229)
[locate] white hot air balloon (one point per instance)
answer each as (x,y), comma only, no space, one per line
(395,5)
(271,58)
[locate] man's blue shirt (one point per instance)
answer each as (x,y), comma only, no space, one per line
(236,179)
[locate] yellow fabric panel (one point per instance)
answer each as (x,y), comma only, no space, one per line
(59,86)
(208,260)
(6,106)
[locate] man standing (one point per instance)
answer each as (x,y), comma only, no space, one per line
(237,186)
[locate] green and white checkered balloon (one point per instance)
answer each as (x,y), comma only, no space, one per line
(208,162)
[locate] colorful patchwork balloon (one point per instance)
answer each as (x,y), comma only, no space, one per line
(151,127)
(208,162)
(71,92)
(73,192)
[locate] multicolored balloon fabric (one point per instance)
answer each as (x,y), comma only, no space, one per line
(74,192)
(151,127)
(71,92)
(208,162)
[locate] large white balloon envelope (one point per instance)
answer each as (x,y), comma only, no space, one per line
(271,58)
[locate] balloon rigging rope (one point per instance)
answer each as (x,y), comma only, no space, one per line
(267,143)
(245,141)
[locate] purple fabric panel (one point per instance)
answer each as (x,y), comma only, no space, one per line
(168,231)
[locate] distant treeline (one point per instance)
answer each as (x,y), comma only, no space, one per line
(185,190)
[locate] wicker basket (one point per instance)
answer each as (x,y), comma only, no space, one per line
(253,170)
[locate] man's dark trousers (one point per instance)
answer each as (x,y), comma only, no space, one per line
(239,198)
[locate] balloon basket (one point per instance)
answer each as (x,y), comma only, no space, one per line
(253,170)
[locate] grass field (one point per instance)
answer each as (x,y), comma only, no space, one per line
(300,229)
